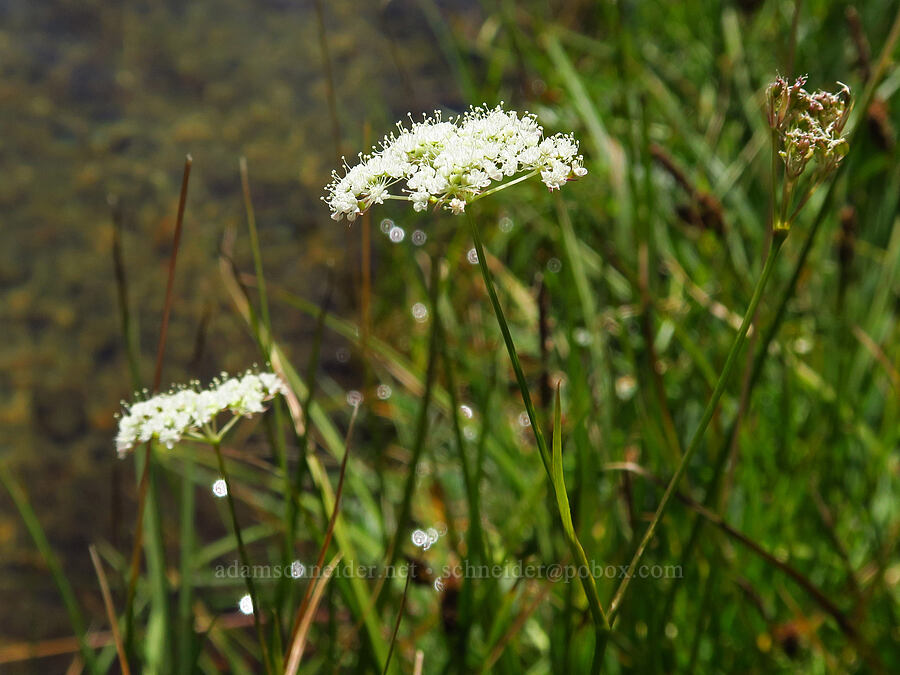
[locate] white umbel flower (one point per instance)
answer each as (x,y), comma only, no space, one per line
(453,162)
(170,417)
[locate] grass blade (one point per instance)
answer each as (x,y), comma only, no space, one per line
(110,610)
(29,517)
(299,644)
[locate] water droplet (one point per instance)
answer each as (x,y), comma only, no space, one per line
(220,488)
(386,225)
(469,433)
(420,312)
(433,535)
(554,265)
(583,337)
(354,398)
(246,605)
(383,392)
(625,386)
(438,584)
(802,345)
(466,411)
(419,237)
(524,420)
(472,256)
(420,538)
(297,569)
(397,234)
(506,224)
(342,355)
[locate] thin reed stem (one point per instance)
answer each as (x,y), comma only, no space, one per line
(843,622)
(711,406)
(257,256)
(110,610)
(186,550)
(273,423)
(387,661)
(330,89)
(421,430)
(129,335)
(242,551)
(144,483)
(326,541)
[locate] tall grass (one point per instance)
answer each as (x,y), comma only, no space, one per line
(722,398)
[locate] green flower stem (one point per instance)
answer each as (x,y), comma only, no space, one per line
(493,190)
(242,550)
(480,195)
(601,623)
(185,594)
(510,346)
(778,240)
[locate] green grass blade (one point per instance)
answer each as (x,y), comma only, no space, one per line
(29,517)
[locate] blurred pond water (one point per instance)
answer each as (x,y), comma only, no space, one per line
(99,103)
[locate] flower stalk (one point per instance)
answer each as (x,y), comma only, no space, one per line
(552,463)
(216,442)
(779,236)
(804,127)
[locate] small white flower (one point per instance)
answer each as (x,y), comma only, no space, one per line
(452,162)
(169,417)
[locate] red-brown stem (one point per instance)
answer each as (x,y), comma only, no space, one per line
(331,523)
(157,376)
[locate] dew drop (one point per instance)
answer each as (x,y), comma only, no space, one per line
(420,538)
(383,392)
(583,337)
(625,386)
(220,488)
(397,234)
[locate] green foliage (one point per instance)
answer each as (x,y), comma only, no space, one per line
(622,302)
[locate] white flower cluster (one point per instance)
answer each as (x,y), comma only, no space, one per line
(452,162)
(169,417)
